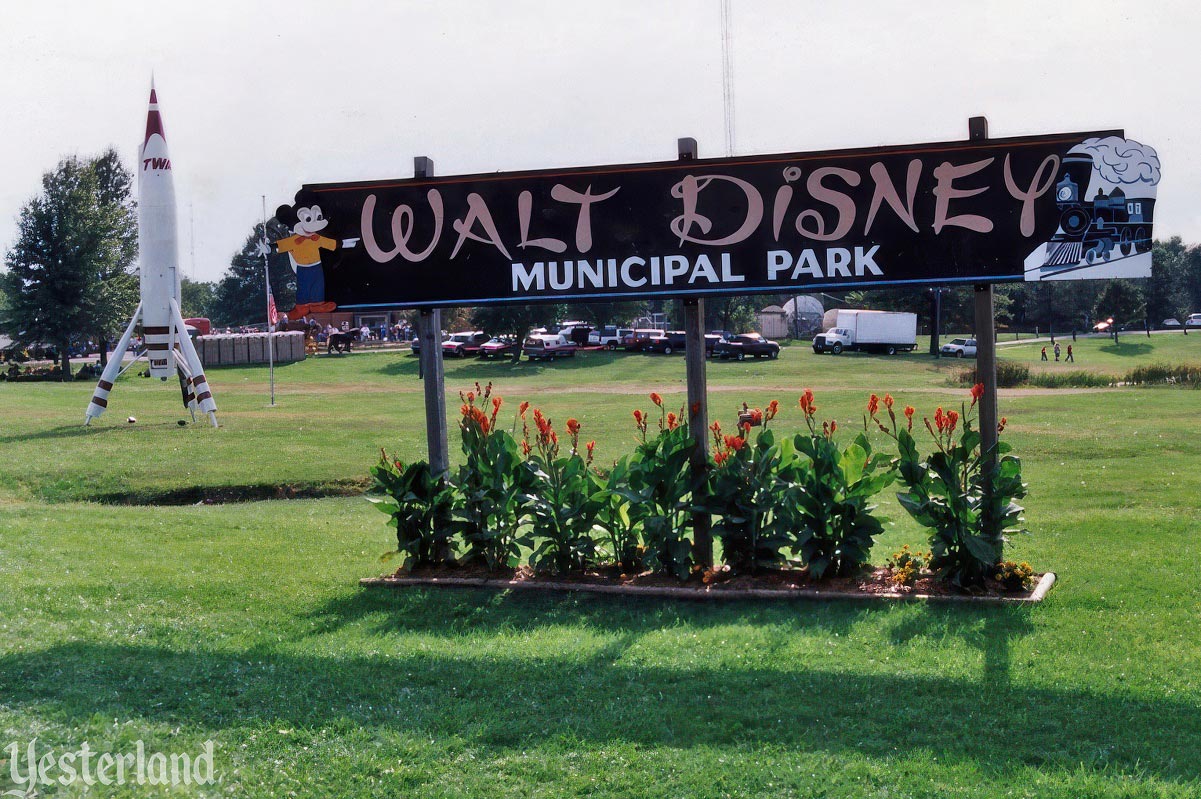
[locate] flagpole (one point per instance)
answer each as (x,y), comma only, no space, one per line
(270,324)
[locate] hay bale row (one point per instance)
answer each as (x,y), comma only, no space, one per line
(228,349)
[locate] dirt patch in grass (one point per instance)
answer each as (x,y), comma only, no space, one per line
(874,584)
(221,495)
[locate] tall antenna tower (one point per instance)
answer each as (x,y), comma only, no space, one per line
(192,239)
(727,74)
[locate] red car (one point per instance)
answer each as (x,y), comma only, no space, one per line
(498,347)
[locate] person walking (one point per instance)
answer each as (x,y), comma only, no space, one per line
(1044,353)
(1070,358)
(1056,353)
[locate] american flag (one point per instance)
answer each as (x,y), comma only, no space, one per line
(272,312)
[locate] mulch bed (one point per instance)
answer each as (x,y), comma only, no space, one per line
(874,585)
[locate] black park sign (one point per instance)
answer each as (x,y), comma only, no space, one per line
(1076,205)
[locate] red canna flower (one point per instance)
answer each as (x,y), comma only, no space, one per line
(525,406)
(655,398)
(833,426)
(977,393)
(734,443)
(671,421)
(773,408)
(873,405)
(716,426)
(471,397)
(909,411)
(720,457)
(756,417)
(573,426)
(806,402)
(1001,425)
(888,401)
(952,420)
(525,447)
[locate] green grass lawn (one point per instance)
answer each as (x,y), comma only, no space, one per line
(244,624)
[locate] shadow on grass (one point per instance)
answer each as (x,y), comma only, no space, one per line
(442,611)
(1128,349)
(62,431)
(489,369)
(514,699)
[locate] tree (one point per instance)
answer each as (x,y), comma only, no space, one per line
(736,314)
(197,298)
(68,272)
(600,314)
(240,297)
(513,320)
(1120,300)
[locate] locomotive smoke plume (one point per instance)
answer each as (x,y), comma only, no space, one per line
(1122,160)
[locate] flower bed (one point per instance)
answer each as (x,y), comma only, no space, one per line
(790,513)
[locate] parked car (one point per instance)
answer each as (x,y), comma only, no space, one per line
(711,340)
(1170,322)
(639,340)
(744,344)
(548,346)
(672,341)
(960,348)
(461,345)
(609,337)
(722,335)
(498,347)
(1194,320)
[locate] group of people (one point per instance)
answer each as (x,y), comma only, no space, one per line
(1070,359)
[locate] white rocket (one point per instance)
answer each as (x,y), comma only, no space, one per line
(168,347)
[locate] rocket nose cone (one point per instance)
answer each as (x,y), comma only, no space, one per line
(154,122)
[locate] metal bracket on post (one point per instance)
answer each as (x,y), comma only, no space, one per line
(986,351)
(698,403)
(429,331)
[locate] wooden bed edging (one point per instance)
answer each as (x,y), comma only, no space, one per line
(673,592)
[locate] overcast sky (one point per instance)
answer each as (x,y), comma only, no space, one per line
(260,97)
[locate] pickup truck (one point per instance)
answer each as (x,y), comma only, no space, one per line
(460,345)
(960,348)
(608,337)
(672,341)
(642,339)
(547,347)
(744,344)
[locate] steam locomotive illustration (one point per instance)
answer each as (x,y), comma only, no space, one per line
(1091,230)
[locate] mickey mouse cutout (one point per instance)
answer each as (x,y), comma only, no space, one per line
(303,248)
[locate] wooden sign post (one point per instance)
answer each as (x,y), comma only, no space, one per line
(429,331)
(698,401)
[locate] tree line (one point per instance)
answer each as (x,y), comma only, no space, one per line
(70,277)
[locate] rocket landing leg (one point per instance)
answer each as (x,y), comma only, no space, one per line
(186,387)
(100,396)
(204,397)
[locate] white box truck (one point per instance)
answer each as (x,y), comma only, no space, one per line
(889,332)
